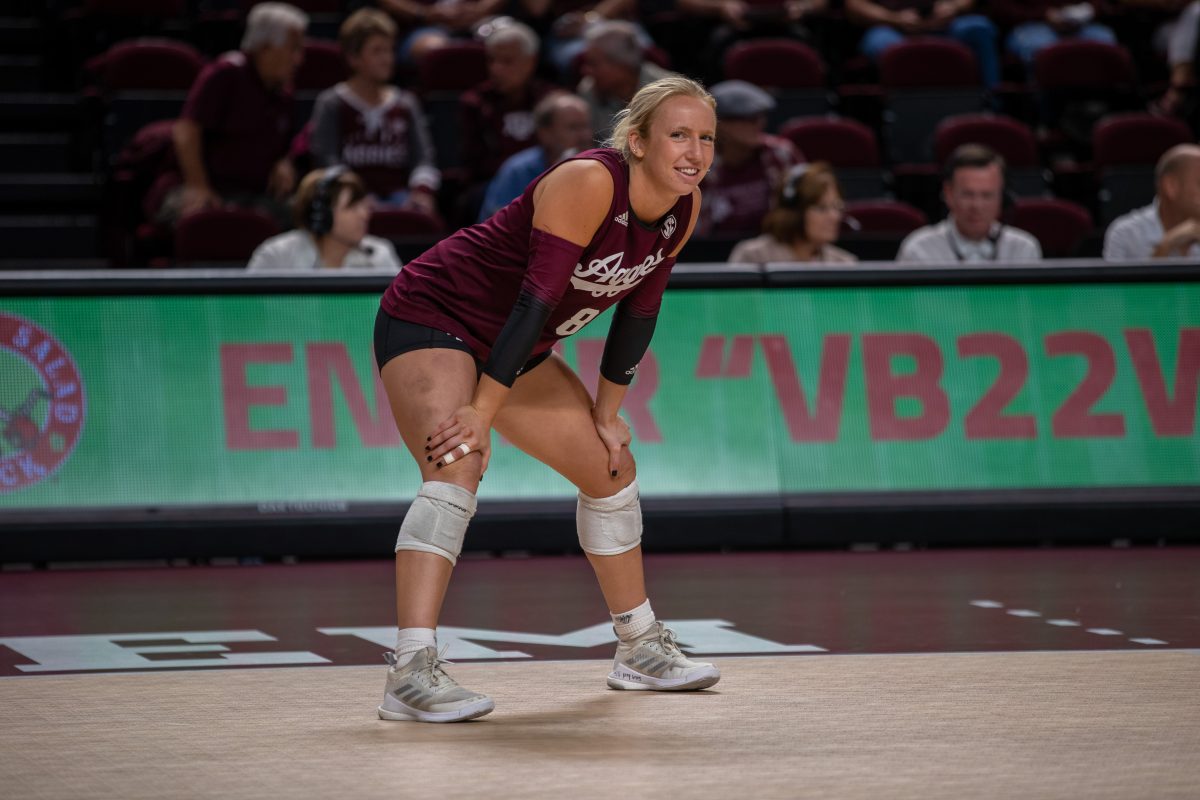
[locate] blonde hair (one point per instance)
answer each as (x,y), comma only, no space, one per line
(640,112)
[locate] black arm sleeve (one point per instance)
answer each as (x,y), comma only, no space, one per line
(628,337)
(517,338)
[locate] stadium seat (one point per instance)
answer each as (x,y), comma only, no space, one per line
(400,223)
(883,216)
(147,64)
(1080,81)
(1082,64)
(925,80)
(791,71)
(848,145)
(1011,138)
(1126,148)
(455,67)
(222,235)
(1060,226)
(323,66)
(873,229)
(137,8)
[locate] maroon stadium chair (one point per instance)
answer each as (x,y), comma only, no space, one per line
(323,66)
(1126,148)
(1136,138)
(848,145)
(147,64)
(775,64)
(883,216)
(845,143)
(1078,82)
(874,229)
(1080,64)
(925,80)
(924,62)
(222,234)
(455,67)
(404,223)
(1059,225)
(1009,137)
(792,72)
(137,8)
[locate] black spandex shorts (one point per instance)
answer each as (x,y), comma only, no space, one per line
(394,337)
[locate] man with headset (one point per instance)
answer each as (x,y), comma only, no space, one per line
(332,210)
(973,190)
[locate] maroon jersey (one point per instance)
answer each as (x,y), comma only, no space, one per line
(387,145)
(246,126)
(495,126)
(467,284)
(737,198)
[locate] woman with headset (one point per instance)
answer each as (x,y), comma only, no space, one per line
(332,210)
(804,223)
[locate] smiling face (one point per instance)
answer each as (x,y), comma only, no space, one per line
(678,149)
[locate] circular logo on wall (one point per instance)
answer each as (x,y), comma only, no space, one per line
(41,404)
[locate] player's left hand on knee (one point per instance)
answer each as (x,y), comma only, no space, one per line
(615,434)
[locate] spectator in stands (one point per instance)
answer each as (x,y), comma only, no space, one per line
(374,128)
(973,189)
(749,163)
(1037,24)
(1170,226)
(497,115)
(615,67)
(805,222)
(572,19)
(231,141)
(564,128)
(889,22)
(332,210)
(433,23)
(1178,38)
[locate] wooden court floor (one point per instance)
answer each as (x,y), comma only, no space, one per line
(1071,673)
(1094,725)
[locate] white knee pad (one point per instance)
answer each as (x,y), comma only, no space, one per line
(609,526)
(437,520)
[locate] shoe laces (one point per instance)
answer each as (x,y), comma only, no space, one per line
(668,641)
(433,669)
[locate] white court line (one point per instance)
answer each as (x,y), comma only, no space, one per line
(733,657)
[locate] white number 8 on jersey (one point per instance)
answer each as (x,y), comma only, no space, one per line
(575,323)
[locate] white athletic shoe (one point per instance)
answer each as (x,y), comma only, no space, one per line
(655,663)
(422,691)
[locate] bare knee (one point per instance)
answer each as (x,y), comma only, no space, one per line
(605,484)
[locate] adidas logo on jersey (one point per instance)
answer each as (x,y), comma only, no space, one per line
(622,218)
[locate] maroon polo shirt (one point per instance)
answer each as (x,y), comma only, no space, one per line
(246,126)
(495,126)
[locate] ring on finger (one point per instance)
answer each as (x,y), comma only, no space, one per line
(466,448)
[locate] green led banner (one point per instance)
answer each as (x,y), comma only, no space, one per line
(147,401)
